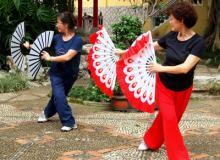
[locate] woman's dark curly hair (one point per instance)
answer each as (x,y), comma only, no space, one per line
(184,11)
(68,18)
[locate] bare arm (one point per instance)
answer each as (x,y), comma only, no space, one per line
(121,52)
(183,68)
(63,58)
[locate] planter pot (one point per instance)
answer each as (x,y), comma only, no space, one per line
(120,103)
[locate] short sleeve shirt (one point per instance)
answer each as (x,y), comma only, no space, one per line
(176,53)
(61,47)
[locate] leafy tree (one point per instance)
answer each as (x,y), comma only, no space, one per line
(38,18)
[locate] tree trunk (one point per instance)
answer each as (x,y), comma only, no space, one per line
(212,33)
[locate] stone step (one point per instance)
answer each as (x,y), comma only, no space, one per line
(204,96)
(205,83)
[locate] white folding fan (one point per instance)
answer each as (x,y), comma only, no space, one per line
(34,58)
(16,46)
(134,78)
(102,61)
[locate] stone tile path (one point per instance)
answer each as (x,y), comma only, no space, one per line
(102,133)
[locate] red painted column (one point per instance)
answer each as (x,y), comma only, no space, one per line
(80,13)
(95,13)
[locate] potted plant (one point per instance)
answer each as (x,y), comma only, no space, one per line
(119,102)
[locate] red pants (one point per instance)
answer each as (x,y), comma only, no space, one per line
(165,127)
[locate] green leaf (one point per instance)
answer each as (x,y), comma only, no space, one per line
(17,4)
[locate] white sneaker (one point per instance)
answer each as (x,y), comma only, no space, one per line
(67,129)
(75,126)
(42,118)
(142,146)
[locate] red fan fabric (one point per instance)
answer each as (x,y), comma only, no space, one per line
(102,61)
(96,78)
(136,48)
(93,37)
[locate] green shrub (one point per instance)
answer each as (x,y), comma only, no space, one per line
(215,89)
(213,58)
(90,93)
(78,92)
(117,90)
(13,82)
(126,31)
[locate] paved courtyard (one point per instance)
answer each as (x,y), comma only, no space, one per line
(102,133)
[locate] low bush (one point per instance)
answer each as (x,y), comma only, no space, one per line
(215,89)
(13,82)
(90,93)
(126,31)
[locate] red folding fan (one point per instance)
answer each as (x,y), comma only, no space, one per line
(136,82)
(102,61)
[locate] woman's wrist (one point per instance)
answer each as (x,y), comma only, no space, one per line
(51,58)
(120,52)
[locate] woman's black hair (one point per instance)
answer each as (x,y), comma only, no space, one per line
(68,18)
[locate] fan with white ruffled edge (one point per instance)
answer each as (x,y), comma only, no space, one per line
(16,46)
(34,58)
(102,61)
(136,82)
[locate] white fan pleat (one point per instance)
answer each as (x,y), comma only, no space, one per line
(34,62)
(101,48)
(110,72)
(140,81)
(104,43)
(107,38)
(104,59)
(16,41)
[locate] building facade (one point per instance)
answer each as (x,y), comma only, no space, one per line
(112,10)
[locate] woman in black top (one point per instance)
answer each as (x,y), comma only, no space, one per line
(184,48)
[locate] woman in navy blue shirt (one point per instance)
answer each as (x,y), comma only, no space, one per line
(64,70)
(184,48)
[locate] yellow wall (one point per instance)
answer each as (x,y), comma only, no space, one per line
(109,3)
(200,26)
(202,17)
(162,30)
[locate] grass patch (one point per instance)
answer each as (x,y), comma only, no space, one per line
(13,82)
(215,89)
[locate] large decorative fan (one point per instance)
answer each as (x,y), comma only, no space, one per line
(102,61)
(136,82)
(42,42)
(18,55)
